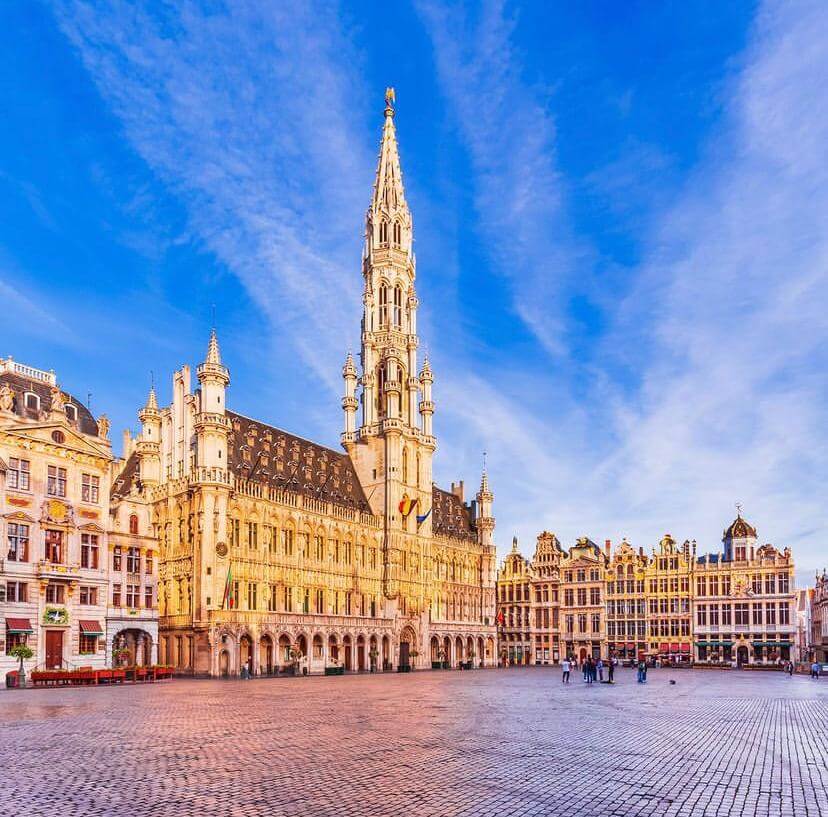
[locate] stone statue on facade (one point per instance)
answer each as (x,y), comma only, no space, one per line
(6,397)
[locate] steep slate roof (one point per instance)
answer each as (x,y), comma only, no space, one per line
(265,454)
(262,453)
(450,517)
(20,385)
(122,484)
(739,529)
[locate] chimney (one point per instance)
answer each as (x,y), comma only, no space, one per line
(607,546)
(127,444)
(641,551)
(457,490)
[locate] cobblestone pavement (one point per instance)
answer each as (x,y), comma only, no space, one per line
(504,742)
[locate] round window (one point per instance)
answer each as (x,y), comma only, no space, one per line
(58,436)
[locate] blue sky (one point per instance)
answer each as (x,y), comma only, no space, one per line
(619,214)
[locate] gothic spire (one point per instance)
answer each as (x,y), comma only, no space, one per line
(213,353)
(389,195)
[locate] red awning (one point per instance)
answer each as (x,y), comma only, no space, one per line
(685,648)
(88,627)
(674,648)
(18,626)
(630,646)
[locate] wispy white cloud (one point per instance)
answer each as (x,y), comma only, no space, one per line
(510,134)
(731,303)
(247,113)
(724,329)
(251,115)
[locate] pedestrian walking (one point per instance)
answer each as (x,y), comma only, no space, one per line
(611,669)
(599,666)
(590,670)
(642,671)
(565,666)
(815,668)
(585,670)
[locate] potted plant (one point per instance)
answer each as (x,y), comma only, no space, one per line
(22,653)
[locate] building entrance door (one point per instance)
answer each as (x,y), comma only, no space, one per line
(405,649)
(54,649)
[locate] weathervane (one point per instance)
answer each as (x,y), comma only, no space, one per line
(390,99)
(739,509)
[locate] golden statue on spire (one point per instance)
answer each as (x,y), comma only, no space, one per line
(390,98)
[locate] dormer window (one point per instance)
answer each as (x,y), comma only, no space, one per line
(31,401)
(71,412)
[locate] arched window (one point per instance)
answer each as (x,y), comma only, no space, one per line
(397,234)
(405,465)
(133,523)
(418,470)
(383,232)
(383,311)
(31,401)
(398,299)
(380,392)
(71,412)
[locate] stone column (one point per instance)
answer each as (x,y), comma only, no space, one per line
(255,646)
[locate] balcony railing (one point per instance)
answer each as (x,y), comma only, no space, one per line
(56,570)
(11,366)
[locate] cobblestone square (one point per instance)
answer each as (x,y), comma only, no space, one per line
(492,742)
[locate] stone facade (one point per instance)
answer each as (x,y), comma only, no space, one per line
(514,597)
(819,619)
(743,600)
(56,467)
(529,604)
(735,606)
(626,602)
(668,593)
(132,613)
(583,597)
(277,553)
